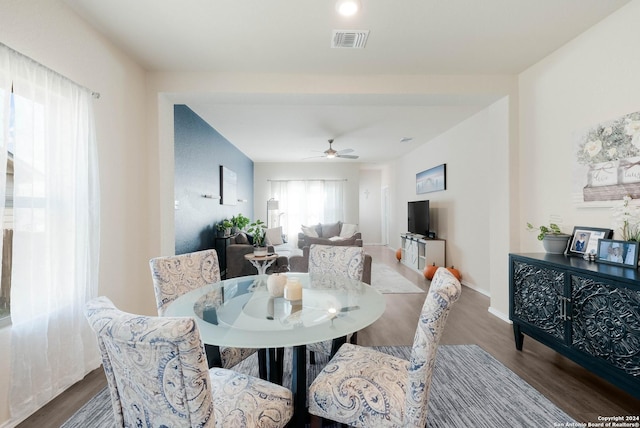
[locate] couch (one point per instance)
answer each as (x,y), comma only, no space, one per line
(301,263)
(237,265)
(329,234)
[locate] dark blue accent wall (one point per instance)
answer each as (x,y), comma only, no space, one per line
(199,150)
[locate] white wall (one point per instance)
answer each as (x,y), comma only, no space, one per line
(48,32)
(590,80)
(461,213)
(370,202)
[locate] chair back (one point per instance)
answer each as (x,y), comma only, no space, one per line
(155,367)
(174,276)
(336,260)
(445,289)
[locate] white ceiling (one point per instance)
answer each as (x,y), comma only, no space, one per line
(424,37)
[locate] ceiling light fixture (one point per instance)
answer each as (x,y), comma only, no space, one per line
(348,7)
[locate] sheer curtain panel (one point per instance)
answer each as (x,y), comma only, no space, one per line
(56,232)
(308,202)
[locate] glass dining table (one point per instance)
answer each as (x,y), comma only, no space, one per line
(241,313)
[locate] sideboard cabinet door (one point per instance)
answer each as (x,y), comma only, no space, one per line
(538,298)
(606,322)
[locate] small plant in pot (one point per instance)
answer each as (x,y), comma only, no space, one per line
(224,227)
(257,230)
(239,222)
(553,239)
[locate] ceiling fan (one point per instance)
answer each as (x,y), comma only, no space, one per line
(330,153)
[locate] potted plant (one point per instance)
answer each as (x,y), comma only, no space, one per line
(239,222)
(553,239)
(224,227)
(257,230)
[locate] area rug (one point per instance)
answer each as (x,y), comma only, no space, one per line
(388,281)
(470,388)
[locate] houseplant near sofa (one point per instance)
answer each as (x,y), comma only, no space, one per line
(257,230)
(239,222)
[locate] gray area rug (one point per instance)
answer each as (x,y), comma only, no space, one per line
(470,388)
(388,281)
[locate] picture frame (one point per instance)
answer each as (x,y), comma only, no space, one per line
(432,179)
(619,253)
(585,240)
(228,183)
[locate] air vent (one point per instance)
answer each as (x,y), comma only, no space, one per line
(353,39)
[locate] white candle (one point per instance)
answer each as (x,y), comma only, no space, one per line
(293,289)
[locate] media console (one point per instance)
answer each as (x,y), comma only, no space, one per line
(586,311)
(419,252)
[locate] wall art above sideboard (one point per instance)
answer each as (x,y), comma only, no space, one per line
(607,161)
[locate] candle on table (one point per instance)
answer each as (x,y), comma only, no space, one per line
(293,289)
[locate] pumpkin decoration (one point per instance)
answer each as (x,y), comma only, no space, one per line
(399,254)
(430,271)
(455,272)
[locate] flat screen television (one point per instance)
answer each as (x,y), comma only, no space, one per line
(418,215)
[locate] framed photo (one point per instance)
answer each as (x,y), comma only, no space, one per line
(585,240)
(432,180)
(621,253)
(228,182)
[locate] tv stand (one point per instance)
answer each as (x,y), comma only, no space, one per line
(418,252)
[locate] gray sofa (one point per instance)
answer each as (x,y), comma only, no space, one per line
(237,265)
(329,234)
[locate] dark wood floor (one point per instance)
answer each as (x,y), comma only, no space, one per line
(579,393)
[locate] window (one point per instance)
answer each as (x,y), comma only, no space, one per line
(308,202)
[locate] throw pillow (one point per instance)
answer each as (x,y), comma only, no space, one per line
(274,236)
(310,231)
(330,229)
(241,238)
(348,230)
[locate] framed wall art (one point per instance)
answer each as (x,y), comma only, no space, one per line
(621,253)
(228,183)
(585,240)
(432,180)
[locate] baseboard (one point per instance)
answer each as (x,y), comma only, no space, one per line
(475,288)
(500,315)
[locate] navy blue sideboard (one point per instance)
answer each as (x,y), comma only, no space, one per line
(588,312)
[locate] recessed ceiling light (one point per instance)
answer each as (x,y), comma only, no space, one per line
(348,7)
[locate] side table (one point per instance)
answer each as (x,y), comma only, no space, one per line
(261,263)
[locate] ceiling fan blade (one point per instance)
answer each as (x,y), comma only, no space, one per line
(315,157)
(347,156)
(344,151)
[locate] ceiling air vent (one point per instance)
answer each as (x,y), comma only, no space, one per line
(354,39)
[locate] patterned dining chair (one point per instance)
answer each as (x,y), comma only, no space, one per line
(158,377)
(340,261)
(365,388)
(174,276)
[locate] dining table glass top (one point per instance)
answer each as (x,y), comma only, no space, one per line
(240,312)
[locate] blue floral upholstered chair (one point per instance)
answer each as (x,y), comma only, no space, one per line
(174,276)
(365,388)
(340,261)
(158,377)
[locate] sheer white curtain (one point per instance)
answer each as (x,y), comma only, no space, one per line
(308,202)
(56,233)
